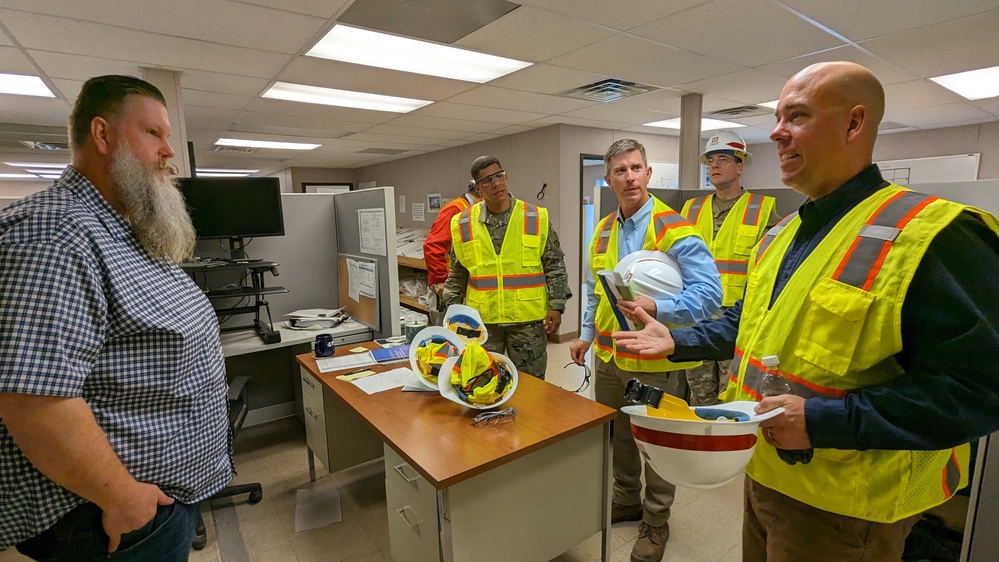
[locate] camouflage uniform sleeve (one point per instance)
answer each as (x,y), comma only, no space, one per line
(456,283)
(556,277)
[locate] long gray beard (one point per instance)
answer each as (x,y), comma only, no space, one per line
(155,206)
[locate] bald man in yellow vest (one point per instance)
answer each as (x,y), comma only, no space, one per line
(879,303)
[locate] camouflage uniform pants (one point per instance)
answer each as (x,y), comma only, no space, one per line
(525,344)
(707,382)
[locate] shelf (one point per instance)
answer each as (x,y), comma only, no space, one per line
(415,263)
(410,302)
(246,292)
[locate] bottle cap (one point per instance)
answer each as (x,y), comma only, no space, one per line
(770,361)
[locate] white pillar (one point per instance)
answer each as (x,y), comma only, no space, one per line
(168,81)
(690,140)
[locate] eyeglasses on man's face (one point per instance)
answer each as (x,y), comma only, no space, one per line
(491,179)
(721,159)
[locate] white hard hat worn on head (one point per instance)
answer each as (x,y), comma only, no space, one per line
(727,142)
(651,273)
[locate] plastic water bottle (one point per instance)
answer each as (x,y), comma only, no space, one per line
(772,383)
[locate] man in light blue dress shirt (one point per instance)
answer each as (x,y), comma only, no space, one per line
(641,222)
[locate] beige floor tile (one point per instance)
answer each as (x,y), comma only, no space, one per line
(339,542)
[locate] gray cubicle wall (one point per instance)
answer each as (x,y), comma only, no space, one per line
(346,207)
(788,200)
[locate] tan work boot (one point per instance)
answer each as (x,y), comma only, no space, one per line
(651,543)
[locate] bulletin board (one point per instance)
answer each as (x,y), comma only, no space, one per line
(364,309)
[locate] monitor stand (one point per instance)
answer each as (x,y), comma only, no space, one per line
(237,249)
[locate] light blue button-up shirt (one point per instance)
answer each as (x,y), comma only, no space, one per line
(701,296)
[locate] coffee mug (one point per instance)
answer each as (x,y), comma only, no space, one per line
(324,345)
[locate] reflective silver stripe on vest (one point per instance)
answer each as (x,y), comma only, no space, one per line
(604,240)
(951,475)
(730,266)
(483,283)
(754,374)
(861,264)
(768,238)
(752,216)
(531,219)
(694,211)
(523,281)
(666,220)
(465,225)
(605,341)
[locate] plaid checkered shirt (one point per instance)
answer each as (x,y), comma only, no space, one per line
(86,312)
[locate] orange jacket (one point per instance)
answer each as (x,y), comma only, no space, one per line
(437,246)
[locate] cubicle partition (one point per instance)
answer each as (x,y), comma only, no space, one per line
(365,229)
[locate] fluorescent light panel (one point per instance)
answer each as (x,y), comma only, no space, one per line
(770,104)
(370,48)
(18,177)
(342,98)
(706,124)
(225,171)
(220,175)
(246,143)
(24,86)
(36,165)
(973,84)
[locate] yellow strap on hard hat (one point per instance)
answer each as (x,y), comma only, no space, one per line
(473,362)
(432,354)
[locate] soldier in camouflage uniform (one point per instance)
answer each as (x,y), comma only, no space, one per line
(524,342)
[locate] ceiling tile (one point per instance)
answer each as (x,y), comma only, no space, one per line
(739,31)
(886,72)
(428,122)
(473,113)
(214,99)
(953,113)
(443,21)
(667,100)
(640,60)
(546,79)
(531,34)
(33,110)
(745,86)
(80,68)
(147,49)
(322,8)
(620,14)
(402,132)
(214,21)
(359,78)
(13,61)
(991,105)
(958,45)
(318,111)
(502,98)
(863,19)
(917,93)
(222,83)
(621,116)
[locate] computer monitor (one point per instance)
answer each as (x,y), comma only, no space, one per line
(234,209)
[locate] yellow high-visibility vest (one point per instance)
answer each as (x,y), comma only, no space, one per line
(510,287)
(835,328)
(665,228)
(743,227)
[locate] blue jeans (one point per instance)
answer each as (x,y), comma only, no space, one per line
(80,536)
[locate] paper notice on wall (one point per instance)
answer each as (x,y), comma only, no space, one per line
(353,280)
(402,203)
(366,279)
(418,213)
(372,228)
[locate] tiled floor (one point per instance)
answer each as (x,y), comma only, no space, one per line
(705,525)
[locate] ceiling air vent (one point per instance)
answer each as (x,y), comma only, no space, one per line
(39,145)
(236,149)
(740,112)
(387,151)
(608,89)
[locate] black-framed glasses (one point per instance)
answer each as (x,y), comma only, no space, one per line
(586,377)
(491,179)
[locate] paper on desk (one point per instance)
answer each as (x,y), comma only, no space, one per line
(358,350)
(385,381)
(344,362)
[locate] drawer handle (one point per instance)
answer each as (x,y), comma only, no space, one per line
(401,469)
(402,513)
(311,413)
(308,381)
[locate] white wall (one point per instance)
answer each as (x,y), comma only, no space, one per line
(982,138)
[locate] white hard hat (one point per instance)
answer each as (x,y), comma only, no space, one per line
(651,273)
(726,141)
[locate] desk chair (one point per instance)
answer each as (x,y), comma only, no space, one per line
(237,414)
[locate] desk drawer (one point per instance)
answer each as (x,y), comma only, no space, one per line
(312,389)
(315,429)
(413,535)
(410,483)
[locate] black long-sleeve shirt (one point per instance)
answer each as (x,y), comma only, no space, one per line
(949,392)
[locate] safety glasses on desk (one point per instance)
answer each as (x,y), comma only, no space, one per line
(490,419)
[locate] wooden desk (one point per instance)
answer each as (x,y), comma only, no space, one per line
(527,490)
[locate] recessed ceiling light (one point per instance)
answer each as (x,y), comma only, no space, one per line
(225,171)
(24,86)
(973,84)
(36,165)
(770,104)
(706,124)
(370,48)
(267,144)
(342,98)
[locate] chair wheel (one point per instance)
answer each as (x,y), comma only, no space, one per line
(199,542)
(256,496)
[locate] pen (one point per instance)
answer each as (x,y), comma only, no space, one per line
(361,370)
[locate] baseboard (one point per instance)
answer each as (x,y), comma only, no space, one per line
(562,338)
(270,413)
